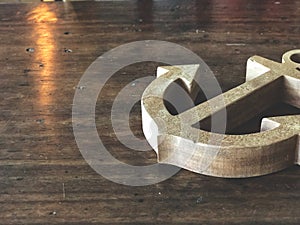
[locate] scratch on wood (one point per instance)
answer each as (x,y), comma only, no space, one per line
(64,191)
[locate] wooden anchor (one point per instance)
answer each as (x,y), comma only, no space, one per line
(177,142)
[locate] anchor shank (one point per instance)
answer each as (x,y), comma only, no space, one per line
(244,101)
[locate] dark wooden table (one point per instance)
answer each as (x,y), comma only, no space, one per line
(45,49)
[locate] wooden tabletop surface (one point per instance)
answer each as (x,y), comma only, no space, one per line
(45,49)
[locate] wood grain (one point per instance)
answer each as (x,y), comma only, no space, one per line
(44,179)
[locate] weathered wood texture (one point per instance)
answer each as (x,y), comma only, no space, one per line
(238,156)
(44,179)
